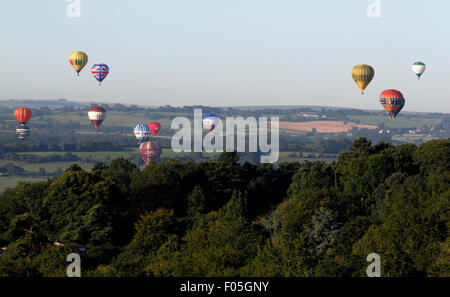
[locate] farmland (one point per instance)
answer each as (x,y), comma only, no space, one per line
(116,118)
(61,137)
(401,121)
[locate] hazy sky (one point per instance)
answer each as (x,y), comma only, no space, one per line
(227,52)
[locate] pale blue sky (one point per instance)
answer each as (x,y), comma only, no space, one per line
(227,52)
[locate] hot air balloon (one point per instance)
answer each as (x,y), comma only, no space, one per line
(393,101)
(78,60)
(150,151)
(210,121)
(419,68)
(100,72)
(154,128)
(362,75)
(97,115)
(141,132)
(23,115)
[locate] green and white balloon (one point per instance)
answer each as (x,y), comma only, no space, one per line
(419,68)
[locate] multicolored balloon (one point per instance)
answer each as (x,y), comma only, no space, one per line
(97,115)
(210,121)
(100,72)
(155,127)
(419,68)
(150,151)
(141,132)
(393,101)
(362,75)
(78,60)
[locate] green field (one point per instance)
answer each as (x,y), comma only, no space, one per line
(305,156)
(401,121)
(100,156)
(105,155)
(49,167)
(289,132)
(412,137)
(299,154)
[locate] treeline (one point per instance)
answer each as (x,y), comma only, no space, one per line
(67,157)
(222,218)
(89,146)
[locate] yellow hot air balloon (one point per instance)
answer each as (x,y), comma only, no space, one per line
(362,75)
(78,60)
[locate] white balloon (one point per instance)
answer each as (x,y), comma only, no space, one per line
(419,68)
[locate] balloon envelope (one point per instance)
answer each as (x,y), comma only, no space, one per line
(419,68)
(100,72)
(97,115)
(78,60)
(141,132)
(362,75)
(210,121)
(23,114)
(150,151)
(393,101)
(155,127)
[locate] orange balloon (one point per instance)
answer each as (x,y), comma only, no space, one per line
(23,115)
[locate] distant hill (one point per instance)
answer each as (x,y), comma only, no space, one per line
(15,103)
(285,107)
(12,103)
(31,103)
(320,108)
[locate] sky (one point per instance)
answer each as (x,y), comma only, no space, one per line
(227,52)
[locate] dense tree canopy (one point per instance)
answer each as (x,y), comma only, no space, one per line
(225,218)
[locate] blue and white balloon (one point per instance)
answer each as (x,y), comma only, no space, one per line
(141,132)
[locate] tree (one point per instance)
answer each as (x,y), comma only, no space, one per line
(324,231)
(52,261)
(219,244)
(410,227)
(229,218)
(153,230)
(82,209)
(434,156)
(196,203)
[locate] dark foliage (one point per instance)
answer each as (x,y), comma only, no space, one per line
(226,218)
